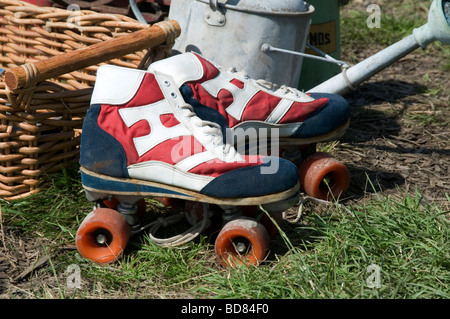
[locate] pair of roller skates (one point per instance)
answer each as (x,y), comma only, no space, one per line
(174,131)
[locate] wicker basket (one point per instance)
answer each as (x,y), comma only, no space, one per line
(40,123)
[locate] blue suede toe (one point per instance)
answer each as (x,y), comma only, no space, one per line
(326,119)
(274,176)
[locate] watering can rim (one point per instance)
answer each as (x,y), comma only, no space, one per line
(302,7)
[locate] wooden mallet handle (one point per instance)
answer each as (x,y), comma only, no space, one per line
(100,52)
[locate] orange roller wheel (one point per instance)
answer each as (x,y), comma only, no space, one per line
(324,177)
(242,241)
(252,211)
(103,235)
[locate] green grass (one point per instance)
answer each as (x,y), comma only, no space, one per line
(398,20)
(59,206)
(327,256)
(356,34)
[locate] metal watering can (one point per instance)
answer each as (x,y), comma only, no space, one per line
(232,32)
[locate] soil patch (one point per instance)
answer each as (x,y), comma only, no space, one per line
(399,137)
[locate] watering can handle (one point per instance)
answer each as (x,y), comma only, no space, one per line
(325,57)
(100,52)
(213,14)
(214,5)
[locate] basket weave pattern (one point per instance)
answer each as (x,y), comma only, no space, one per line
(40,124)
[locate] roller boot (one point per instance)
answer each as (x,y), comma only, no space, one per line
(141,138)
(257,110)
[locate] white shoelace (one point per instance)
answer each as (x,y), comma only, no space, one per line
(209,129)
(282,90)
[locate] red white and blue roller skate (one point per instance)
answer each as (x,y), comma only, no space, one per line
(294,120)
(141,138)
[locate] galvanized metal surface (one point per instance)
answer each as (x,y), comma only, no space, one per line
(235,40)
(438,26)
(285,7)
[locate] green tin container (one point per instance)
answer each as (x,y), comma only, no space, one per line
(324,34)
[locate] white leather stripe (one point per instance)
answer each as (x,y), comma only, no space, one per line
(116,85)
(190,120)
(181,68)
(280,110)
(164,173)
(192,161)
(158,132)
(241,97)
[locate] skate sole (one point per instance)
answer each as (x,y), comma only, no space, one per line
(107,185)
(316,139)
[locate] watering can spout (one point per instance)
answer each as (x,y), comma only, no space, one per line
(438,26)
(423,35)
(436,29)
